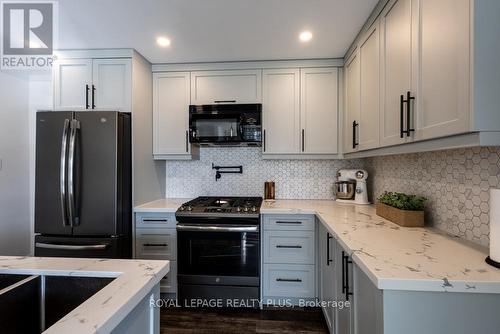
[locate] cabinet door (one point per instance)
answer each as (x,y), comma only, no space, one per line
(343,285)
(319,110)
(369,55)
(171,113)
(352,103)
(112,84)
(327,275)
(72,81)
(396,68)
(280,111)
(368,304)
(443,100)
(235,86)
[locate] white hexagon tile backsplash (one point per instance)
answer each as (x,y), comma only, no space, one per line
(456,183)
(295,179)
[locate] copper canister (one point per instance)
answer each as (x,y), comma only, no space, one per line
(269,190)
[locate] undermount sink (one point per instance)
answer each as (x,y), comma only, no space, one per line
(31,304)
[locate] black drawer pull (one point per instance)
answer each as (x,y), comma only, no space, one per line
(295,280)
(328,260)
(286,246)
(155,245)
(225,101)
(281,222)
(154,220)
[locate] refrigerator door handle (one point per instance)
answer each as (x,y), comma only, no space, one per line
(62,176)
(71,247)
(75,125)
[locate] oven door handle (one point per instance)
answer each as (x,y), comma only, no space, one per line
(217,228)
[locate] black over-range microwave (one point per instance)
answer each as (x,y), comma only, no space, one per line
(226,124)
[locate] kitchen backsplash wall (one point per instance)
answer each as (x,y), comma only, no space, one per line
(456,182)
(295,179)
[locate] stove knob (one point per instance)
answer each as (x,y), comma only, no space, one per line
(238,209)
(254,209)
(182,208)
(190,208)
(245,209)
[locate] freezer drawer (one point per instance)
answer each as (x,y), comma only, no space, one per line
(107,248)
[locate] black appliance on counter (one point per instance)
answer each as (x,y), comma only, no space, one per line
(83,186)
(226,124)
(218,247)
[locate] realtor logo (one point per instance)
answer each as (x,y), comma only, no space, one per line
(28,34)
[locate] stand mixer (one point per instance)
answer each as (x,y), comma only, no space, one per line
(351,186)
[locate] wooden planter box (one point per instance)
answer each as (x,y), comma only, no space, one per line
(401,217)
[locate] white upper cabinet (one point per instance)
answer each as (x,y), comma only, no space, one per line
(112,85)
(369,52)
(230,86)
(84,83)
(395,69)
(72,83)
(319,110)
(281,111)
(171,98)
(352,103)
(443,96)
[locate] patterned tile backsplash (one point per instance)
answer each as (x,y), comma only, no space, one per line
(295,179)
(456,183)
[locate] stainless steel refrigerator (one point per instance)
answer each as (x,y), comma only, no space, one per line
(83,187)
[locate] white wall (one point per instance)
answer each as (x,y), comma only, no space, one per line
(15,217)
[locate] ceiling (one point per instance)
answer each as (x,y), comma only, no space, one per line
(214,30)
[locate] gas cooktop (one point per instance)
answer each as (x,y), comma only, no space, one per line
(221,206)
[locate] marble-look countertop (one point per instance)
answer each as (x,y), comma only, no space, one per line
(102,312)
(395,257)
(162,205)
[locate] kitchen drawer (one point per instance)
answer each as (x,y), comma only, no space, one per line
(295,247)
(168,284)
(289,222)
(156,244)
(289,280)
(155,220)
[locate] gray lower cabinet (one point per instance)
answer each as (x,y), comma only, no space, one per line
(288,259)
(156,239)
(344,288)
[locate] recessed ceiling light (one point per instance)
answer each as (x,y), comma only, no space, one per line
(163,41)
(305,36)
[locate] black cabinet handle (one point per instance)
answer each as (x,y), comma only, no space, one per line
(155,245)
(225,101)
(345,275)
(328,260)
(264,140)
(401,118)
(286,246)
(154,220)
(402,102)
(303,139)
(354,126)
(87,97)
(296,280)
(187,141)
(93,100)
(409,98)
(282,222)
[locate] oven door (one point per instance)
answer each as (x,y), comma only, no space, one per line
(224,254)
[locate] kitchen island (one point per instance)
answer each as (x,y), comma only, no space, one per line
(122,305)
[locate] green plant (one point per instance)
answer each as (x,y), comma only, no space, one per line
(403,201)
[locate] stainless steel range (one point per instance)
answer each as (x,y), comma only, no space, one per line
(218,244)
